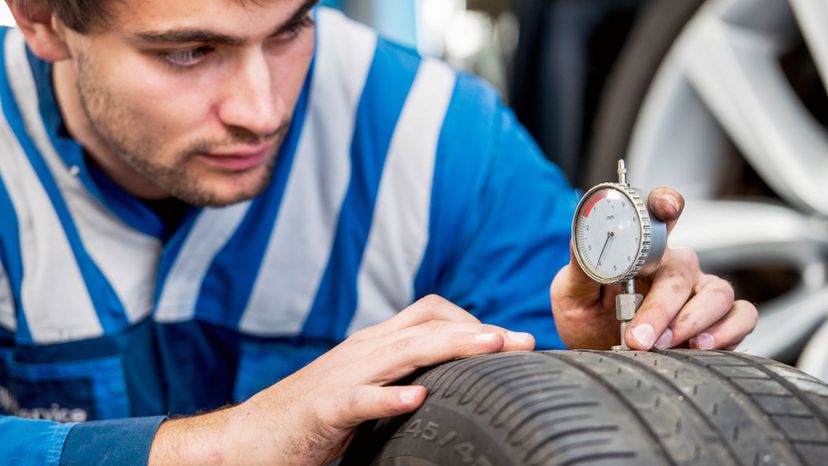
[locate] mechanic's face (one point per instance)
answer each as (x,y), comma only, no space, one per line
(195,96)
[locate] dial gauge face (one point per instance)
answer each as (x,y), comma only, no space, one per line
(607,235)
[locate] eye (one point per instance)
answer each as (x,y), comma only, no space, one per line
(293,29)
(185,58)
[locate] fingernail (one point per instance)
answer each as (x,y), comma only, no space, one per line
(487,337)
(408,395)
(519,337)
(665,340)
(703,341)
(644,335)
(673,202)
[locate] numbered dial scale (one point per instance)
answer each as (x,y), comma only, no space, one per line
(615,237)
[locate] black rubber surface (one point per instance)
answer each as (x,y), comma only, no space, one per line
(584,407)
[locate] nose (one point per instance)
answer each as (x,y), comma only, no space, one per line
(252,101)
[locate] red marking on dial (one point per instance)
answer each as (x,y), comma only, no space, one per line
(596,198)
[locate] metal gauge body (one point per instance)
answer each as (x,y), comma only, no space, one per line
(615,237)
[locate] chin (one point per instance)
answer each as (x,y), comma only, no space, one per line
(214,188)
(228,193)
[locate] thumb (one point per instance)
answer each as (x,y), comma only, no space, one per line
(574,283)
(367,402)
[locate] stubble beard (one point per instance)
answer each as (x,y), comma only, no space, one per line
(114,127)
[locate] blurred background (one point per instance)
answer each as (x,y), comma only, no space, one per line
(723,99)
(5,16)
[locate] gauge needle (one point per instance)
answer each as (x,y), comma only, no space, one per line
(610,234)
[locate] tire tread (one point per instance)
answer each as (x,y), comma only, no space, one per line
(676,407)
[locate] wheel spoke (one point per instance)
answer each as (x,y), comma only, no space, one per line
(682,149)
(736,73)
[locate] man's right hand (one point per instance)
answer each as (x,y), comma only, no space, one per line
(310,416)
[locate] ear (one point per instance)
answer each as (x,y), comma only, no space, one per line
(42,29)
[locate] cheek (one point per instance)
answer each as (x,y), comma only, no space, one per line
(290,69)
(151,100)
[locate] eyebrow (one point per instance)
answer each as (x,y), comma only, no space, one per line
(204,36)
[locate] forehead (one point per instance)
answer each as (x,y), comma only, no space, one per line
(232,16)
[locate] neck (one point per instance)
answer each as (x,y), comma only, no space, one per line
(81,129)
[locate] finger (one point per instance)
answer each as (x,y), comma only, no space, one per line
(671,287)
(667,204)
(583,314)
(367,402)
(513,341)
(405,355)
(730,330)
(712,300)
(572,283)
(431,307)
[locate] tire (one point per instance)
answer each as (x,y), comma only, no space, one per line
(593,407)
(652,36)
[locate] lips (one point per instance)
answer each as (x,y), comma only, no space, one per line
(240,159)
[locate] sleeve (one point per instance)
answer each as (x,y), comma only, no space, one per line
(120,441)
(35,442)
(501,235)
(28,442)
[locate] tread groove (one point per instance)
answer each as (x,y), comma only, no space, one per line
(566,433)
(818,414)
(497,422)
(780,432)
(449,374)
(514,388)
(621,398)
(479,376)
(536,414)
(549,422)
(696,408)
(599,457)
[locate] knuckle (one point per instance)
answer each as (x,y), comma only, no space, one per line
(426,308)
(492,329)
(677,279)
(351,402)
(432,301)
(692,258)
(721,283)
(727,292)
(723,292)
(749,309)
(678,285)
(687,258)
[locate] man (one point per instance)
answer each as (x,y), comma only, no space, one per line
(228,202)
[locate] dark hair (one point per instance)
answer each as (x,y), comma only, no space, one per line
(79,15)
(82,15)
